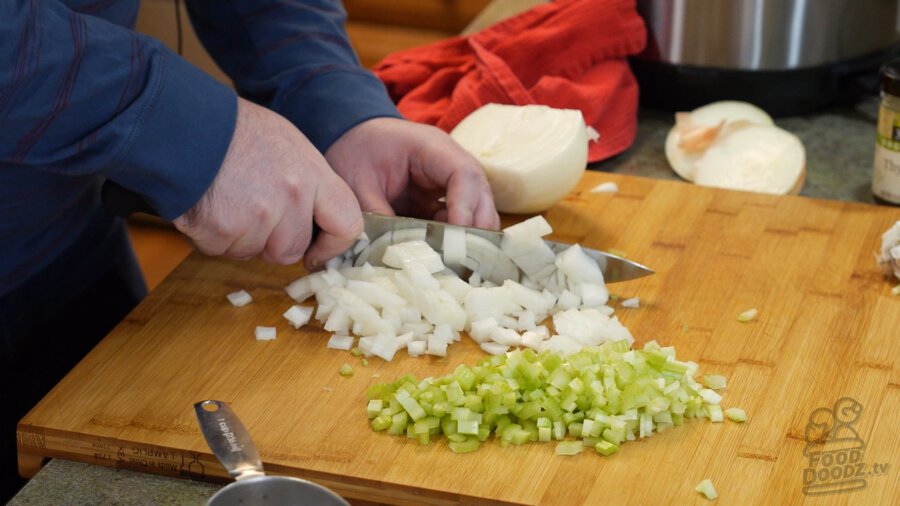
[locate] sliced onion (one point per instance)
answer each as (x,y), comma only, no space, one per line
(748,157)
(706,119)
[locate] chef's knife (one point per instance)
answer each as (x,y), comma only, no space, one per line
(615,268)
(124,202)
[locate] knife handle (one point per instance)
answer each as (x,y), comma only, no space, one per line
(123,202)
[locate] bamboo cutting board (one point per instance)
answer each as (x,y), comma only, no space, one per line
(828,328)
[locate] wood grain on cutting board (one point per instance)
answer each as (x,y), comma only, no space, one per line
(828,327)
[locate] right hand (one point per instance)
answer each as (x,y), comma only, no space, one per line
(270,188)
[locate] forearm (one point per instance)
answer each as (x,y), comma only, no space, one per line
(295,58)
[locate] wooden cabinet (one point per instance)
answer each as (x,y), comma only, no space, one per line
(448,16)
(376,27)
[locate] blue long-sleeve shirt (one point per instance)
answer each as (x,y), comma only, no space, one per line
(84,98)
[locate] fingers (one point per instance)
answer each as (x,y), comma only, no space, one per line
(372,199)
(485,214)
(288,241)
(270,187)
(446,165)
(470,202)
(337,213)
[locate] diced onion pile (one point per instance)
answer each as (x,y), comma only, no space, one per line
(417,301)
(598,398)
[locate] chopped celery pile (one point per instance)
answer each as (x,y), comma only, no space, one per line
(599,397)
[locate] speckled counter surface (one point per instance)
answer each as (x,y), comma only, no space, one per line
(63,482)
(839,147)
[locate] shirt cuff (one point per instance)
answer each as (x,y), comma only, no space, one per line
(178,146)
(331,103)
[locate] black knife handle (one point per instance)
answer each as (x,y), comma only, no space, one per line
(123,202)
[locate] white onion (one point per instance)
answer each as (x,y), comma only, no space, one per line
(707,116)
(399,255)
(265,333)
(532,155)
(889,259)
(341,342)
(239,298)
(607,187)
(633,302)
(298,315)
(454,246)
(764,159)
(736,145)
(418,305)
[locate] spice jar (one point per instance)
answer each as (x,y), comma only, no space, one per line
(886,173)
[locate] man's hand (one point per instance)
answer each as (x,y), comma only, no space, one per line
(396,166)
(272,184)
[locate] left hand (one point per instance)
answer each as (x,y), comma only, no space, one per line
(396,166)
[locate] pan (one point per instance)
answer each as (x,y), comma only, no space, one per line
(230,442)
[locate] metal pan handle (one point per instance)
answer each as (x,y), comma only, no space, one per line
(228,439)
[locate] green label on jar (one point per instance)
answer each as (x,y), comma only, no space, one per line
(888,133)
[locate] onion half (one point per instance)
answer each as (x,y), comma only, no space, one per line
(532,155)
(735,145)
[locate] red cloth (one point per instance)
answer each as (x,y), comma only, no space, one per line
(568,54)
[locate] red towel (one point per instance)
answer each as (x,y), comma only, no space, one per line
(568,54)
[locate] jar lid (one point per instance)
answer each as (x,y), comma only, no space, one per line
(890,78)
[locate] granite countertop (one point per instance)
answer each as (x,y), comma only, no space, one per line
(839,145)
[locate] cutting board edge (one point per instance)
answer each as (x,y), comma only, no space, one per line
(36,444)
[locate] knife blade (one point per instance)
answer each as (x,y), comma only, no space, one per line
(614,267)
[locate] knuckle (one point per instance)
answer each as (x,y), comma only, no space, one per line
(260,211)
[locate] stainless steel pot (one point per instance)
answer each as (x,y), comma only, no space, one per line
(767,34)
(231,444)
(785,55)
